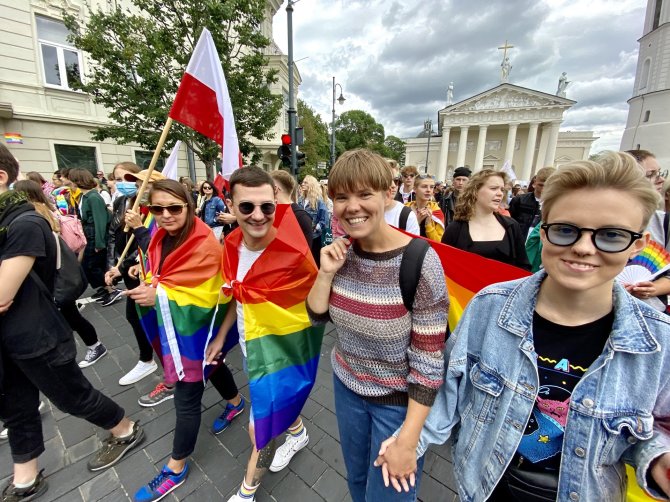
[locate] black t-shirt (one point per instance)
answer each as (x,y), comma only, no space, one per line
(564,355)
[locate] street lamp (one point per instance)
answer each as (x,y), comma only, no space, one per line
(340,100)
(428,126)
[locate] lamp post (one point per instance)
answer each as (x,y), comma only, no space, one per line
(340,100)
(428,126)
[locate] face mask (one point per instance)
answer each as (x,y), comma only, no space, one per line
(127,188)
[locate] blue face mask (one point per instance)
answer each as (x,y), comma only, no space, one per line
(127,188)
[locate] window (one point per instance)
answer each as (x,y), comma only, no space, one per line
(646,116)
(657,13)
(143,159)
(76,156)
(644,77)
(60,59)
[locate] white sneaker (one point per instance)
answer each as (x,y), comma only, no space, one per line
(237,498)
(140,371)
(285,452)
(4,434)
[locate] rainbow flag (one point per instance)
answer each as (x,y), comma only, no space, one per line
(13,137)
(653,257)
(189,307)
(282,347)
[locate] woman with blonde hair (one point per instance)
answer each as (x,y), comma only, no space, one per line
(311,200)
(428,212)
(479,228)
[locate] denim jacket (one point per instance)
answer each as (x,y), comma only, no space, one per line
(209,210)
(492,381)
(319,216)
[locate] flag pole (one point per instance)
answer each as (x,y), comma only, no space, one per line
(152,165)
(125,250)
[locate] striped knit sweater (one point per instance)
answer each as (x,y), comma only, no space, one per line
(383,352)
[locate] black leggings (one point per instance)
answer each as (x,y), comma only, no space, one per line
(78,323)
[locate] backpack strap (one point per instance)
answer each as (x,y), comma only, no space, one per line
(404,215)
(410,270)
(666,221)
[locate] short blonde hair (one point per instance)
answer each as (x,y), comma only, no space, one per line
(610,170)
(465,207)
(358,169)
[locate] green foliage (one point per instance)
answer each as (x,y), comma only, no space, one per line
(358,129)
(395,149)
(137,58)
(317,141)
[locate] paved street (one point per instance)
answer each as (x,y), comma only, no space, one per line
(317,473)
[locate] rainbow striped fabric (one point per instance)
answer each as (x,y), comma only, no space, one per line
(653,257)
(282,347)
(189,307)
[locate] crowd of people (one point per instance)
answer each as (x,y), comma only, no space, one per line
(547,386)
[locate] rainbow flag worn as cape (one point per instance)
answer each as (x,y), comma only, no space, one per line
(282,347)
(189,307)
(151,225)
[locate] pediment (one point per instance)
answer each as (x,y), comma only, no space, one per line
(491,157)
(508,96)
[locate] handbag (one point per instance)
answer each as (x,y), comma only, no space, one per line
(72,232)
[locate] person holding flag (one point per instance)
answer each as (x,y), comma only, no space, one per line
(268,271)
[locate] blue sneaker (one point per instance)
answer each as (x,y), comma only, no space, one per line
(161,485)
(226,418)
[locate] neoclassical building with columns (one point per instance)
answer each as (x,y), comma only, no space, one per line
(505,123)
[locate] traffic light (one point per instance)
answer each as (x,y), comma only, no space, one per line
(301,159)
(284,151)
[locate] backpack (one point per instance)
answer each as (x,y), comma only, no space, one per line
(72,232)
(404,215)
(69,281)
(410,270)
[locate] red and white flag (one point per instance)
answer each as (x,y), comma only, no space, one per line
(171,164)
(203,103)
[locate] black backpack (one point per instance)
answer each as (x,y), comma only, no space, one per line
(69,280)
(410,270)
(404,215)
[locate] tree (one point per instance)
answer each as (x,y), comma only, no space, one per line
(137,58)
(358,129)
(395,149)
(317,144)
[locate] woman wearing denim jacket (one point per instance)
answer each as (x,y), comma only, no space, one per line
(556,380)
(311,201)
(211,205)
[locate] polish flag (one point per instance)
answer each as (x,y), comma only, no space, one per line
(203,103)
(170,169)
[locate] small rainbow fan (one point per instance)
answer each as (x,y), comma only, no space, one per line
(652,261)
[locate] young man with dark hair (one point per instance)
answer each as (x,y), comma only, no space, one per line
(448,204)
(526,208)
(37,350)
(252,200)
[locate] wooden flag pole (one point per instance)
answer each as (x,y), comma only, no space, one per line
(152,165)
(125,250)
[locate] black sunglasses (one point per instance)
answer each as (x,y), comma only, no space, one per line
(246,208)
(606,239)
(206,188)
(173,209)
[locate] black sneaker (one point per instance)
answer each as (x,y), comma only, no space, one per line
(113,449)
(93,355)
(112,297)
(13,494)
(99,293)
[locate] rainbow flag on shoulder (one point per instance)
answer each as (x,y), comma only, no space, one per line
(189,307)
(282,347)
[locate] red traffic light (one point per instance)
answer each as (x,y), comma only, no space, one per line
(285,139)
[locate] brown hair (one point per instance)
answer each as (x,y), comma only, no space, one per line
(177,190)
(610,170)
(131,167)
(357,169)
(8,163)
(641,155)
(82,178)
(465,207)
(185,180)
(36,177)
(286,181)
(544,173)
(251,176)
(215,191)
(409,170)
(42,205)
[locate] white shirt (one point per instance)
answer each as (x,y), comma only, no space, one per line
(247,259)
(405,196)
(392,217)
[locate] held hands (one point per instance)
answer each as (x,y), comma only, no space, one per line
(133,219)
(660,471)
(398,463)
(333,256)
(110,275)
(143,295)
(213,352)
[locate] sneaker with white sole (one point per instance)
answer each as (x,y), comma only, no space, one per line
(239,498)
(112,297)
(160,394)
(140,371)
(285,452)
(93,355)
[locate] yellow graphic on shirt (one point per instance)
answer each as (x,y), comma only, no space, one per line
(562,365)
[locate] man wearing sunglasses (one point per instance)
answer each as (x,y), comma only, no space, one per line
(406,189)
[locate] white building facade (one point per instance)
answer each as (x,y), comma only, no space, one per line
(47,125)
(648,125)
(505,123)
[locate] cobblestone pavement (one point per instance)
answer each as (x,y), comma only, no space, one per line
(316,473)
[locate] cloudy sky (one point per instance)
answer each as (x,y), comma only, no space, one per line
(395,59)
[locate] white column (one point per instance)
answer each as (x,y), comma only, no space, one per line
(481,143)
(462,145)
(444,155)
(511,140)
(530,151)
(542,151)
(553,141)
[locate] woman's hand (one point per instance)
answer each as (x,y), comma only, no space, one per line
(133,219)
(110,275)
(660,471)
(143,295)
(225,218)
(134,271)
(213,351)
(422,214)
(642,290)
(333,256)
(398,463)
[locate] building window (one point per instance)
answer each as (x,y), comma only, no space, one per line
(61,61)
(76,156)
(646,116)
(143,159)
(644,76)
(657,13)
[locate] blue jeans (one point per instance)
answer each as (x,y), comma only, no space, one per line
(363,426)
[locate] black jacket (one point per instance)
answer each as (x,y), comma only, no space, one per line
(525,210)
(457,235)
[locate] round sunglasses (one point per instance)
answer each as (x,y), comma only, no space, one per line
(173,209)
(246,208)
(606,239)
